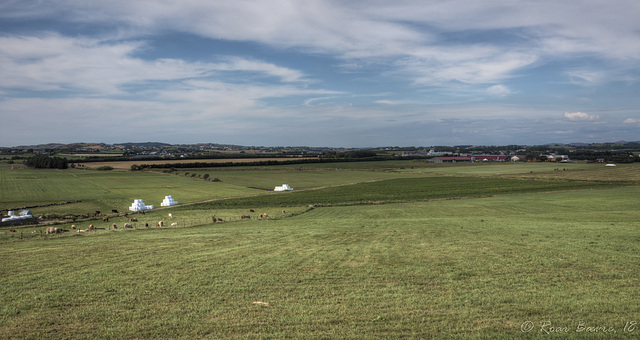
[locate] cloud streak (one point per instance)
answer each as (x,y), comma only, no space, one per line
(580,116)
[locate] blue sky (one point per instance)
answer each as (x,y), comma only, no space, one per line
(320,72)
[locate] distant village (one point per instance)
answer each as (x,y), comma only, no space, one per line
(621,152)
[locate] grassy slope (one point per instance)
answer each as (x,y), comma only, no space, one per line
(102,190)
(477,267)
(456,268)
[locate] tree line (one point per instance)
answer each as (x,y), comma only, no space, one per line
(47,162)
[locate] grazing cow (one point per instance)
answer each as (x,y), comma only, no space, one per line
(146,225)
(126,214)
(174,224)
(160,224)
(90,226)
(36,232)
(251,210)
(97,213)
(105,219)
(127,225)
(264,215)
(283,212)
(52,230)
(12,230)
(82,230)
(170,215)
(133,219)
(73,226)
(245,216)
(219,219)
(114,211)
(115,226)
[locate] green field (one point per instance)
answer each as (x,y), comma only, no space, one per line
(388,250)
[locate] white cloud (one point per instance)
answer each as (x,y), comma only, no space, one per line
(409,31)
(386,102)
(580,116)
(477,65)
(498,90)
(240,64)
(54,62)
(632,121)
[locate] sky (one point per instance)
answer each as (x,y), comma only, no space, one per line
(326,73)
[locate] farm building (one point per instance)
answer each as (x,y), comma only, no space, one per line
(284,187)
(138,205)
(168,201)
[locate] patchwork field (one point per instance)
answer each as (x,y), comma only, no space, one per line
(126,165)
(386,251)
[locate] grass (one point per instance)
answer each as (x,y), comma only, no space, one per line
(474,268)
(504,253)
(102,190)
(407,189)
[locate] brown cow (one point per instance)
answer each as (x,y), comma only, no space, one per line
(105,219)
(245,216)
(73,226)
(12,230)
(90,226)
(133,219)
(160,224)
(52,230)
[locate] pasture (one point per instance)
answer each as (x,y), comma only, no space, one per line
(491,252)
(126,165)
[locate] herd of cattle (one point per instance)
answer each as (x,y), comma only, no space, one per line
(128,225)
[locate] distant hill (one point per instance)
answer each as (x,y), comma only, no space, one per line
(41,146)
(144,145)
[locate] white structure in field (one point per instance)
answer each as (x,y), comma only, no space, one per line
(138,205)
(284,187)
(24,215)
(168,201)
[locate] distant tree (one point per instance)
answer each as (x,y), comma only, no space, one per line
(46,162)
(206,176)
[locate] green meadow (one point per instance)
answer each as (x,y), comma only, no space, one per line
(366,250)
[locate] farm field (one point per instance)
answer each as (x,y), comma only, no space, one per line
(101,190)
(387,252)
(126,165)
